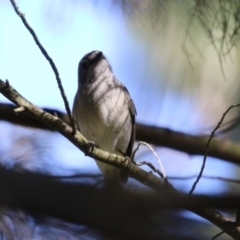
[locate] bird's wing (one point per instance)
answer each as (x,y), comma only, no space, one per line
(133,113)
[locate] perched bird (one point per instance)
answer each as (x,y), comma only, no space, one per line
(104,112)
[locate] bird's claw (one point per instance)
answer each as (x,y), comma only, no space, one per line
(90,147)
(128,161)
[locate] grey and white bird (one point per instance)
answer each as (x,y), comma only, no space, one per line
(104,112)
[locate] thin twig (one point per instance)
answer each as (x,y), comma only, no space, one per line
(230,180)
(207,147)
(151,166)
(134,152)
(218,235)
(19,109)
(161,174)
(167,191)
(53,66)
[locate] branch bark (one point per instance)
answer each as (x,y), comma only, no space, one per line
(76,202)
(220,148)
(79,141)
(166,191)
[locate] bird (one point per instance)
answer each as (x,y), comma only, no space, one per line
(104,112)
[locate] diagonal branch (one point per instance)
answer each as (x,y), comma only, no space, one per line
(52,64)
(39,194)
(79,141)
(219,148)
(166,190)
(207,147)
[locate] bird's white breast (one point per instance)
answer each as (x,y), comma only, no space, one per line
(104,116)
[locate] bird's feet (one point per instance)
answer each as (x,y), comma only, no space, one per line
(90,147)
(127,160)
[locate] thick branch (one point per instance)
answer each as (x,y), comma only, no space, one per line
(79,141)
(194,145)
(166,190)
(76,202)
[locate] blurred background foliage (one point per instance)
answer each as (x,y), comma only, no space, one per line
(179,60)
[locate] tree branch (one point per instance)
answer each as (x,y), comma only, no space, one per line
(166,190)
(79,141)
(41,194)
(193,145)
(207,147)
(49,59)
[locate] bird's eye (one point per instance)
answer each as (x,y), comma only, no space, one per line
(84,65)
